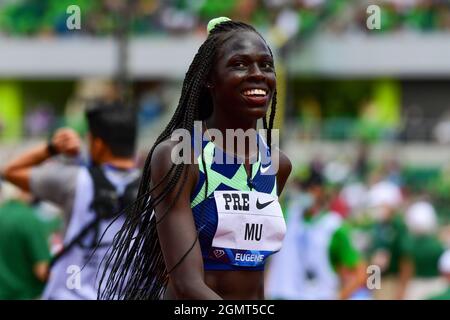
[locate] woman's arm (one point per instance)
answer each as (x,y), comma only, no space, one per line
(177,232)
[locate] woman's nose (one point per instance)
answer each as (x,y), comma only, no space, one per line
(255,72)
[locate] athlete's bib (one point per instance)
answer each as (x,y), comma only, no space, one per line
(250,228)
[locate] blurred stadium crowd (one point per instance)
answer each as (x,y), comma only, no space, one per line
(396,215)
(397,218)
(396,223)
(47,18)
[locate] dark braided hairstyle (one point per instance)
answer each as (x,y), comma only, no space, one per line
(134,267)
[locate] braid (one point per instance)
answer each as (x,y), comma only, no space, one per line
(273,109)
(134,267)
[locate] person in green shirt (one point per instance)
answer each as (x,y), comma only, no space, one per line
(444,268)
(422,222)
(318,259)
(391,248)
(426,251)
(24,252)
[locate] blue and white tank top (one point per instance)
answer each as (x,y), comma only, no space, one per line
(240,223)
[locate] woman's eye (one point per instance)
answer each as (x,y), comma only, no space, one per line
(267,65)
(239,64)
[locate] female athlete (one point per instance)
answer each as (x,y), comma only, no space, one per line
(202,229)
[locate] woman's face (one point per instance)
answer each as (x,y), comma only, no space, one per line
(243,77)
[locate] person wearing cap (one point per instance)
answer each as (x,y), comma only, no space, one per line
(444,269)
(421,220)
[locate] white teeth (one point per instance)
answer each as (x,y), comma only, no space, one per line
(258,92)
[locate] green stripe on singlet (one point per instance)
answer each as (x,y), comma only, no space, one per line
(238,181)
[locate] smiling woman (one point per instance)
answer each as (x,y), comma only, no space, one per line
(204,229)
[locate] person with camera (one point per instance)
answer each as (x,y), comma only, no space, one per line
(91,195)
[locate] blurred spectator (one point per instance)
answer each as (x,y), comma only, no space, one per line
(89,195)
(336,173)
(289,18)
(39,120)
(337,202)
(354,193)
(24,250)
(179,17)
(393,172)
(318,259)
(422,222)
(392,242)
(444,268)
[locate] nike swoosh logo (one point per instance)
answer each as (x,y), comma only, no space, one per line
(264,169)
(262,205)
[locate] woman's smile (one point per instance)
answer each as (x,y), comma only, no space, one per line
(256,97)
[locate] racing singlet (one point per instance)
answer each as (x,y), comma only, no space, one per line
(240,222)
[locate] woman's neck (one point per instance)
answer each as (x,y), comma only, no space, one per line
(224,123)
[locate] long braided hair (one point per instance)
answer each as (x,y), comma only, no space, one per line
(134,268)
